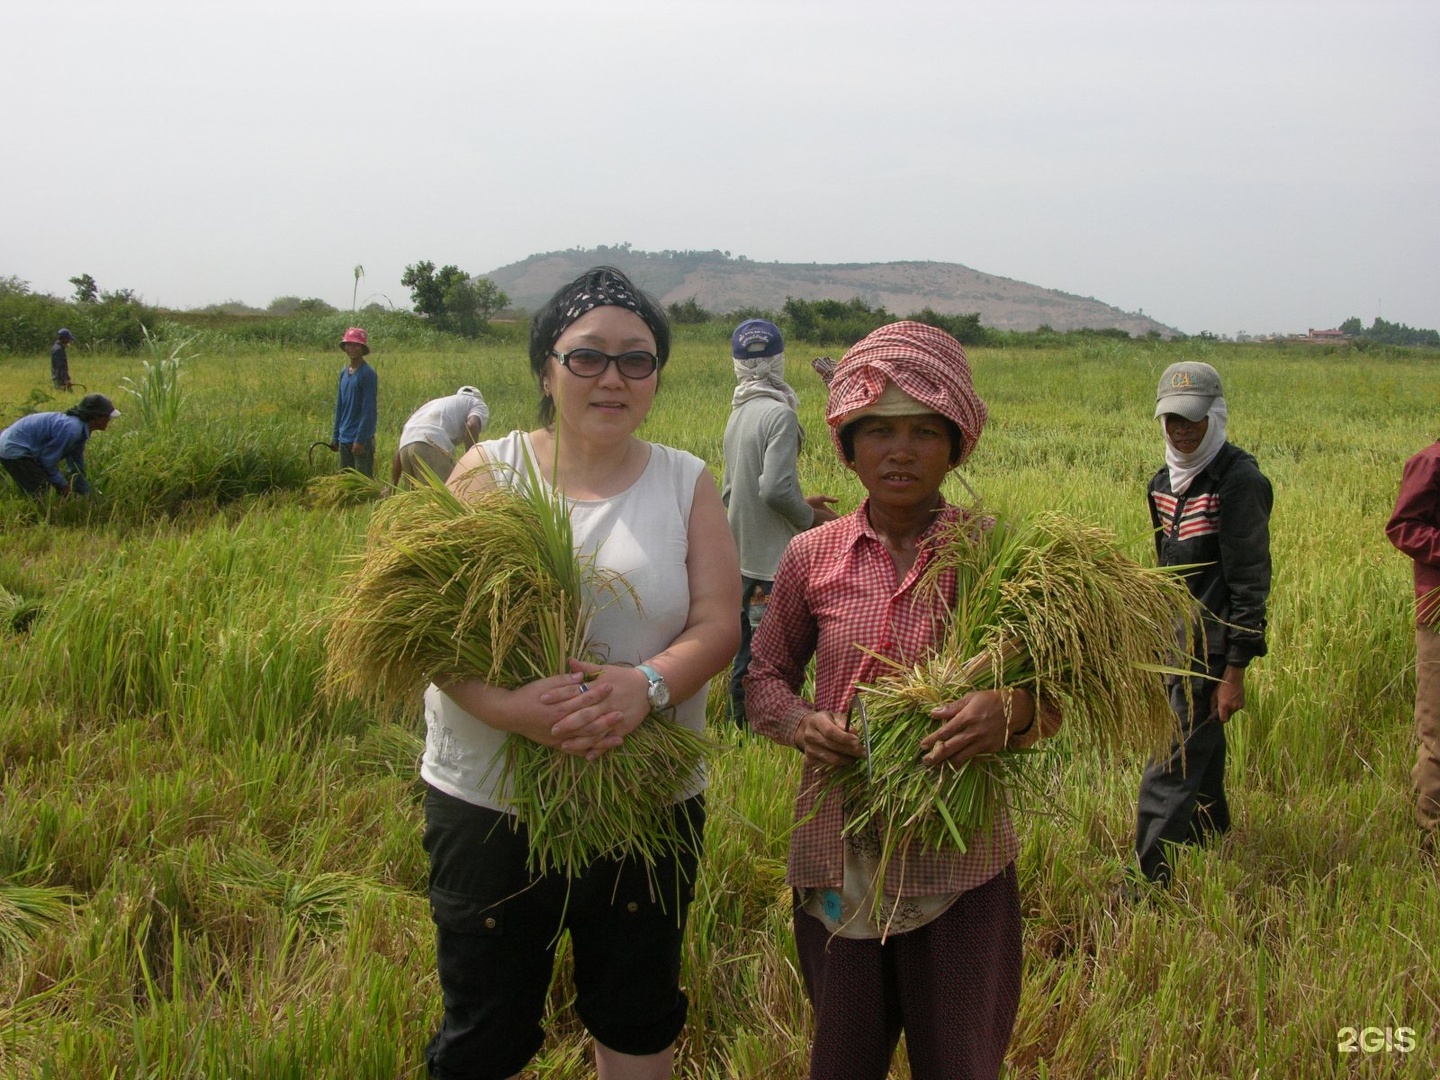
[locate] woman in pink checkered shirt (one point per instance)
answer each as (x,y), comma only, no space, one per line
(939,956)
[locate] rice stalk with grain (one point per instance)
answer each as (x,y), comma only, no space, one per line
(492,589)
(1042,602)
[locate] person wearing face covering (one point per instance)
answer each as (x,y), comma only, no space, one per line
(761,488)
(1210,509)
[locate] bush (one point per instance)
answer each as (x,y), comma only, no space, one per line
(28,320)
(688,313)
(965,329)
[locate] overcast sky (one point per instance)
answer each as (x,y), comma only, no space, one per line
(1252,166)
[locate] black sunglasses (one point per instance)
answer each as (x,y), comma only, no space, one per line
(589,363)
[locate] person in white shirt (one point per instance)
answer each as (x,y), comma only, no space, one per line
(434,430)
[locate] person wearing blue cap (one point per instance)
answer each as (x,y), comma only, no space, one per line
(60,361)
(32,448)
(761,488)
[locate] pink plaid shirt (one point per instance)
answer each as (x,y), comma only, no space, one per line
(835,595)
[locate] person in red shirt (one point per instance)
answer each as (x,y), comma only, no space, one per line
(943,963)
(1414,528)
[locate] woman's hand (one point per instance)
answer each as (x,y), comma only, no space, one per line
(587,727)
(562,712)
(977,724)
(824,740)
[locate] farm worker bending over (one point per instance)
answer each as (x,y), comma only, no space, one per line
(761,489)
(434,430)
(1414,528)
(60,361)
(1210,509)
(356,406)
(943,964)
(32,448)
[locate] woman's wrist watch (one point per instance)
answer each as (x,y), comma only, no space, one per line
(659,690)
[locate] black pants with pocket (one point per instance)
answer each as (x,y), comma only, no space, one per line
(497,927)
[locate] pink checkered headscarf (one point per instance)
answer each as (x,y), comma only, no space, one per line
(924,362)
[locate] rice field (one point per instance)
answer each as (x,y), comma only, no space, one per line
(210,868)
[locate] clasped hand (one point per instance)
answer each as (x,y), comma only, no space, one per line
(975,724)
(587,712)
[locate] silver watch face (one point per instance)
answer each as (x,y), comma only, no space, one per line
(658,691)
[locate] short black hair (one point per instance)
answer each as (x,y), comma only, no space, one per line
(554,319)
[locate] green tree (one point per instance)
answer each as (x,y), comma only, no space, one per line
(965,329)
(688,312)
(451,299)
(85,289)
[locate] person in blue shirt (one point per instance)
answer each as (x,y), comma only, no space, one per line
(32,448)
(355,406)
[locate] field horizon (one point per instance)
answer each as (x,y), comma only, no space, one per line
(208,869)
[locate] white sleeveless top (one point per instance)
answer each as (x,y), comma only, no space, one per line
(642,534)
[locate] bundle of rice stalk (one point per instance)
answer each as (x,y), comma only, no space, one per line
(1043,602)
(492,589)
(17,612)
(345,488)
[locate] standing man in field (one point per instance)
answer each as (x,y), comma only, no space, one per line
(60,360)
(761,490)
(1414,528)
(1210,509)
(356,406)
(434,430)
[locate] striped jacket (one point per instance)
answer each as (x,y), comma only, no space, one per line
(1221,523)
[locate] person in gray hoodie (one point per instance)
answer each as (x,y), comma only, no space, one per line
(761,488)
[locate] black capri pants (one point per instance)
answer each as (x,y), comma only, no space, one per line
(497,926)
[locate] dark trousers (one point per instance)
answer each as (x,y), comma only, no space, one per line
(497,927)
(952,985)
(361,463)
(28,473)
(748,587)
(1182,799)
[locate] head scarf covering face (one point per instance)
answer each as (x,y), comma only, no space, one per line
(599,288)
(762,377)
(926,363)
(1185,467)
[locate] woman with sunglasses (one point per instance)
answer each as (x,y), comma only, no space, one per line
(653,514)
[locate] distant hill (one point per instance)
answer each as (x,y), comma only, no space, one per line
(720,283)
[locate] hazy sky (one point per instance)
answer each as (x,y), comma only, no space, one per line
(1251,166)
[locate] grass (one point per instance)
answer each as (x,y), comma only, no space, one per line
(219,872)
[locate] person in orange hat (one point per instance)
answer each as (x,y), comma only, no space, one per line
(356,406)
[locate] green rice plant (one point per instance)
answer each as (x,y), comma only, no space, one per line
(1043,602)
(17,612)
(26,910)
(347,487)
(157,393)
(493,590)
